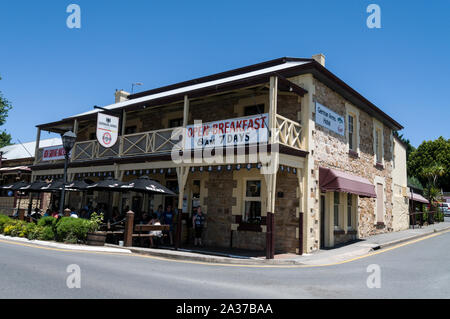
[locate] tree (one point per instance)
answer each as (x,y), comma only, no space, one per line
(5,106)
(430,163)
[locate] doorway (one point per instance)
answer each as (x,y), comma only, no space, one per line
(322,221)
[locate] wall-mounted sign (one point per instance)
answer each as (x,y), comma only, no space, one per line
(107,129)
(329,119)
(239,131)
(53,153)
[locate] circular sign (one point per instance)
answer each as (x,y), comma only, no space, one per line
(106,138)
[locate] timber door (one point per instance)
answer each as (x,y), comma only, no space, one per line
(322,221)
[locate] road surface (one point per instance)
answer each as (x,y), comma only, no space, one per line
(416,270)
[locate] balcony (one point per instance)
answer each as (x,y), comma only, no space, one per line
(288,133)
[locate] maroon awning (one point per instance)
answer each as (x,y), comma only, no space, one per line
(419,198)
(331,180)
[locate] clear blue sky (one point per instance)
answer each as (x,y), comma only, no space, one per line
(50,71)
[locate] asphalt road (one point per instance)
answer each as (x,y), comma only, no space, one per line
(416,270)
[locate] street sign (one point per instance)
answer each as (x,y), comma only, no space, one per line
(107,129)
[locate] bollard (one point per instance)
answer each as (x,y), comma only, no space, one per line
(129,227)
(22,214)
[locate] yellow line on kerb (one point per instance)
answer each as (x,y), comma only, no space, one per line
(229,265)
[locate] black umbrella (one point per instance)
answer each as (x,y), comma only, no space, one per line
(109,184)
(77,185)
(55,186)
(15,186)
(145,185)
(33,187)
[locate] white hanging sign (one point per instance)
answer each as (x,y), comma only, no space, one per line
(232,132)
(107,129)
(329,119)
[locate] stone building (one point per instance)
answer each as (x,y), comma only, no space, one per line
(302,126)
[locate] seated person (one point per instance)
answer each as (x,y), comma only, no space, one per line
(155,233)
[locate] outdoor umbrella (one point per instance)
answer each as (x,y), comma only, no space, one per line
(15,186)
(77,185)
(109,184)
(145,185)
(54,186)
(33,187)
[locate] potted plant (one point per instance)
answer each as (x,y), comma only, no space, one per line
(95,237)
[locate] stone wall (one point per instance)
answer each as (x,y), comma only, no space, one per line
(330,151)
(286,220)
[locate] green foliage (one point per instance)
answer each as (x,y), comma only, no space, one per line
(414,182)
(15,228)
(96,220)
(68,229)
(47,233)
(48,221)
(430,163)
(3,220)
(5,107)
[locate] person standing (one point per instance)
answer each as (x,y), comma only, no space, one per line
(198,221)
(168,217)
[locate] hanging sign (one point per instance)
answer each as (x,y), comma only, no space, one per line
(107,129)
(53,153)
(239,131)
(329,119)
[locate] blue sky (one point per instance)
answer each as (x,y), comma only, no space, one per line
(50,71)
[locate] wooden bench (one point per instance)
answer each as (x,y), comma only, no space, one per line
(142,231)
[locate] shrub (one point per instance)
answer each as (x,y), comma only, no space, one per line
(48,221)
(72,230)
(3,221)
(46,233)
(36,232)
(15,228)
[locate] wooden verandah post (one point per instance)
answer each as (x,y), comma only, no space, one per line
(271,176)
(182,175)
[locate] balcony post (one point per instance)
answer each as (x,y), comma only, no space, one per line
(36,150)
(273,97)
(122,132)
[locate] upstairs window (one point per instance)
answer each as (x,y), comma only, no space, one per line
(351,133)
(378,146)
(254,110)
(176,122)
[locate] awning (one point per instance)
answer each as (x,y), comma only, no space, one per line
(419,198)
(331,180)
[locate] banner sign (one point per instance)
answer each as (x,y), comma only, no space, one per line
(107,129)
(239,131)
(329,119)
(53,153)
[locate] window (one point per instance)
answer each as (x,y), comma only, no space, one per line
(254,110)
(130,130)
(176,122)
(252,202)
(349,210)
(336,209)
(351,133)
(378,149)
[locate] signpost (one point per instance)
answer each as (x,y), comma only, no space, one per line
(329,119)
(107,129)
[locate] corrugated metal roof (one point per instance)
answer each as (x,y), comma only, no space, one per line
(195,87)
(26,150)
